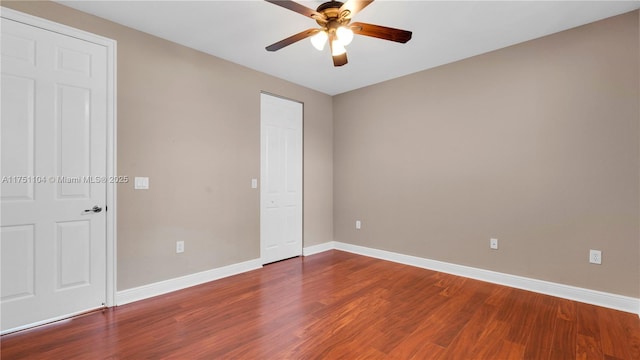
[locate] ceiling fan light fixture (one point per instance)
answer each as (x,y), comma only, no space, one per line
(337,48)
(336,28)
(319,40)
(345,35)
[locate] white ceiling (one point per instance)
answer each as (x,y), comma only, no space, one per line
(443,32)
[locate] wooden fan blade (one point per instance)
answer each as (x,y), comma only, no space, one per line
(354,6)
(292,39)
(300,9)
(381,32)
(339,60)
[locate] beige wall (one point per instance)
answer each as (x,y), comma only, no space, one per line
(536,144)
(191,122)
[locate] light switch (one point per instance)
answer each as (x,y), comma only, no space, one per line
(141,183)
(254,183)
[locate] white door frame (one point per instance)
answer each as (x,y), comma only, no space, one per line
(110,45)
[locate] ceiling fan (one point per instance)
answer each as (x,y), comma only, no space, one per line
(334,18)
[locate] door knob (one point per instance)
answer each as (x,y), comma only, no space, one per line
(95,209)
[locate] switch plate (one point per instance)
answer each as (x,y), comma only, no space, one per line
(358,225)
(595,257)
(141,183)
(493,243)
(254,183)
(179,247)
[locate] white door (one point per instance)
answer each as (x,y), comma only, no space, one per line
(280,178)
(53,168)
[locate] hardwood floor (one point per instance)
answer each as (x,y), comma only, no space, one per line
(339,305)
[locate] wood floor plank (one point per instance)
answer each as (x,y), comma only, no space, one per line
(499,295)
(567,310)
(588,344)
(442,324)
(563,345)
(337,305)
(612,334)
(588,347)
(413,347)
(631,326)
(478,330)
(588,321)
(526,310)
(503,349)
(538,344)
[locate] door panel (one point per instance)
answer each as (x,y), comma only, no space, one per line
(281,179)
(74,143)
(18,102)
(73,245)
(74,61)
(19,48)
(54,136)
(18,254)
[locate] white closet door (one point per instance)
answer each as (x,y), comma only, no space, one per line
(281,178)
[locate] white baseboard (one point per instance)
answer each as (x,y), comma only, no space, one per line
(594,297)
(315,249)
(163,287)
(608,300)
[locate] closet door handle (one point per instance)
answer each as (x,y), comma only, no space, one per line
(95,209)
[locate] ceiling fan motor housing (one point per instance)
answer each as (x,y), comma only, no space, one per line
(334,18)
(329,5)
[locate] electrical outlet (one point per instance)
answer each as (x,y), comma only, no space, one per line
(179,247)
(358,225)
(493,243)
(595,257)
